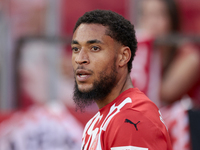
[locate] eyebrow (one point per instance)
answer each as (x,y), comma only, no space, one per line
(74,42)
(93,41)
(88,42)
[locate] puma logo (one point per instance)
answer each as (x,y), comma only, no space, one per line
(135,124)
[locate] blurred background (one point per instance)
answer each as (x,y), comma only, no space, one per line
(36,76)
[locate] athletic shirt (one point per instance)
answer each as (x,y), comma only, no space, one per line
(130,122)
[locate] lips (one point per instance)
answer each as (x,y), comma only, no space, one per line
(82,75)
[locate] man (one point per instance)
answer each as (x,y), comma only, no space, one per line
(103,47)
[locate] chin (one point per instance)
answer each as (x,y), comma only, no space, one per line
(84,89)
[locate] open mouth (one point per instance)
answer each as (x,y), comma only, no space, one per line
(82,75)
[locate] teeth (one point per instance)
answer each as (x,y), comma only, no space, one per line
(82,75)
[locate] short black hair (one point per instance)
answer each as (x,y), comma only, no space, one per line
(119,28)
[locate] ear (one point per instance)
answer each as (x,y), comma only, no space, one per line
(125,56)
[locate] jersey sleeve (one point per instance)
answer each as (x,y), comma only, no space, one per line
(131,130)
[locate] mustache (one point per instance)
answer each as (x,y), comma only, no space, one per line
(82,67)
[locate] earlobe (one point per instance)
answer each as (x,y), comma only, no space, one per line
(125,56)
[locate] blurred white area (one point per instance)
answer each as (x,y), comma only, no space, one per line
(46,128)
(41,72)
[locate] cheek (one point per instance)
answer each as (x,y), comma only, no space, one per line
(104,65)
(164,26)
(73,61)
(157,26)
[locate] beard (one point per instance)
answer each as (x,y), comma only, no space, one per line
(101,89)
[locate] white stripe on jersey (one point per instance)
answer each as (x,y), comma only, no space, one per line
(128,148)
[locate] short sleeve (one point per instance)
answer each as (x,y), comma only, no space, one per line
(132,130)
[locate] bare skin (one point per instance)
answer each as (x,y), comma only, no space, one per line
(94,52)
(181,76)
(183,71)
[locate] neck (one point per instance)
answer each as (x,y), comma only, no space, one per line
(123,84)
(127,84)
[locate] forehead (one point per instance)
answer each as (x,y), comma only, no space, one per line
(154,6)
(87,32)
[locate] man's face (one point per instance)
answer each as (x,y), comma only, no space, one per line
(94,61)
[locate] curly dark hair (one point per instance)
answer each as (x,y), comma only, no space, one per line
(119,28)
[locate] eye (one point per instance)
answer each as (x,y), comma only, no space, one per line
(75,49)
(95,48)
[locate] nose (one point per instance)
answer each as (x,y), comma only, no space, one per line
(82,57)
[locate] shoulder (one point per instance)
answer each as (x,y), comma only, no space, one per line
(138,99)
(140,109)
(130,117)
(136,128)
(141,103)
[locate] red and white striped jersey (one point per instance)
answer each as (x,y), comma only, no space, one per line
(130,122)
